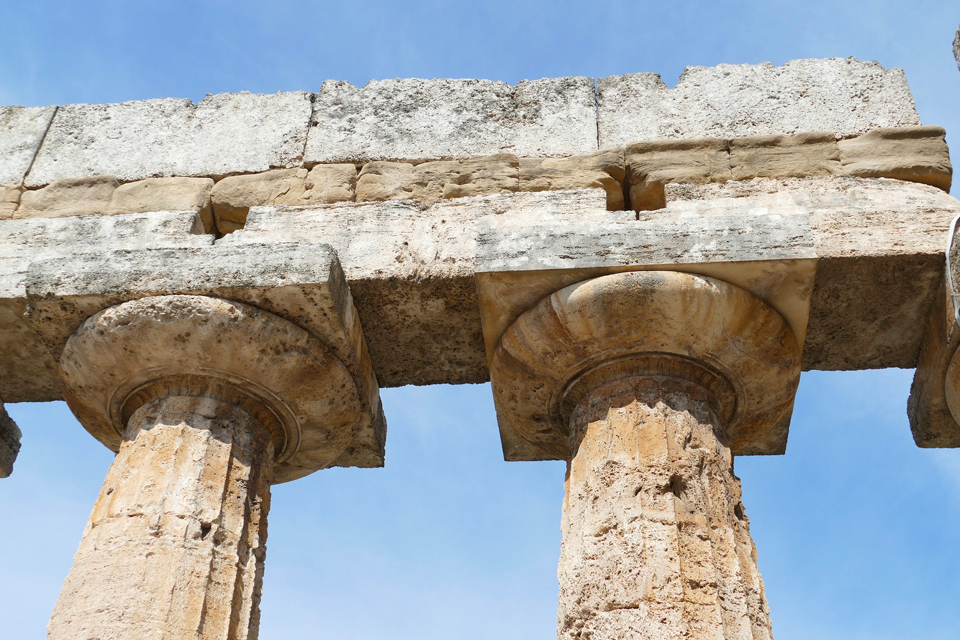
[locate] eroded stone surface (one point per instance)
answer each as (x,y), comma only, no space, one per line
(412,119)
(21,131)
(177,538)
(166,194)
(614,320)
(430,182)
(9,442)
(224,134)
(9,200)
(299,282)
(68,197)
(232,197)
(917,154)
(27,370)
(603,170)
(655,540)
(328,183)
(843,96)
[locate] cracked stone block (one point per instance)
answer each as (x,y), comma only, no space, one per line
(414,120)
(9,200)
(651,165)
(21,131)
(165,194)
(232,197)
(599,170)
(843,96)
(224,134)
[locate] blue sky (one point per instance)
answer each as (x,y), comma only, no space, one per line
(856,528)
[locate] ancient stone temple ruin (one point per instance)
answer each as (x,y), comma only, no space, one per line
(219,290)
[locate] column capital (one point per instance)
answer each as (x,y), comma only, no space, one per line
(661,323)
(126,356)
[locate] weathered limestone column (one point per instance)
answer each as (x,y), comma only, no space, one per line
(213,399)
(654,378)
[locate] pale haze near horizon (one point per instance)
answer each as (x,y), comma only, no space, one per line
(856,528)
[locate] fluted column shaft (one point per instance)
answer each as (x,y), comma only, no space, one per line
(655,541)
(175,545)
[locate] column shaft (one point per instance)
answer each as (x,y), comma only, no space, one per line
(175,545)
(655,541)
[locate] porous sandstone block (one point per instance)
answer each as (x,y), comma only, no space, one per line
(844,96)
(651,165)
(232,197)
(69,197)
(166,194)
(412,119)
(9,442)
(9,200)
(775,156)
(917,154)
(431,182)
(329,183)
(224,134)
(600,170)
(21,132)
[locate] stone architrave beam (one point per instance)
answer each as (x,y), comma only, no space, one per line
(410,267)
(27,370)
(9,442)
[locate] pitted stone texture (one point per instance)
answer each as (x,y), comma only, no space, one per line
(68,197)
(166,194)
(917,154)
(329,183)
(410,268)
(879,244)
(9,200)
(232,197)
(608,322)
(21,132)
(843,96)
(162,344)
(176,542)
(224,134)
(412,119)
(431,182)
(656,544)
(9,442)
(27,369)
(300,282)
(600,170)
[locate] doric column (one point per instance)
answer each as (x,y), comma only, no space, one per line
(208,402)
(653,380)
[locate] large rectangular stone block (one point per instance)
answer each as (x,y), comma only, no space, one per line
(27,371)
(224,134)
(842,96)
(412,119)
(21,131)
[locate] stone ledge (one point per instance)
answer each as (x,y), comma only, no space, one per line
(845,96)
(224,134)
(415,120)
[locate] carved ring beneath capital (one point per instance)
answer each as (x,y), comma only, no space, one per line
(734,342)
(152,347)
